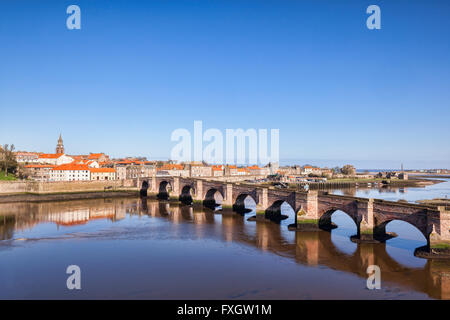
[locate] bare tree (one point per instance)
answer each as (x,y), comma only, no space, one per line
(8,158)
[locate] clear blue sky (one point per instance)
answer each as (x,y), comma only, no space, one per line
(137,70)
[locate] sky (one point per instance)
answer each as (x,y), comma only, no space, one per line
(136,71)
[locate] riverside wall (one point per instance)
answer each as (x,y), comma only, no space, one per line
(35,187)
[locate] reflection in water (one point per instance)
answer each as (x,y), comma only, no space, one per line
(278,262)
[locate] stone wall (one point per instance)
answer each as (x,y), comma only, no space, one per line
(11,187)
(14,187)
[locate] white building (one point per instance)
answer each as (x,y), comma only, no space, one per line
(307,170)
(54,158)
(70,172)
(102,173)
(27,157)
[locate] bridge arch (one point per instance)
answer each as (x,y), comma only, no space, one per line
(273,212)
(417,219)
(410,235)
(186,194)
(380,228)
(165,187)
(144,188)
(325,222)
(210,197)
(239,203)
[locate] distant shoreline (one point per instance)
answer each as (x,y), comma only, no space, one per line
(353,183)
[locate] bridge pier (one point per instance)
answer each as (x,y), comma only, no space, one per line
(198,197)
(228,200)
(368,230)
(262,204)
(439,238)
(153,187)
(307,218)
(440,231)
(176,192)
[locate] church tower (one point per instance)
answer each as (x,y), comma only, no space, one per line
(60,146)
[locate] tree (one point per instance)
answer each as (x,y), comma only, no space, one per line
(348,170)
(8,159)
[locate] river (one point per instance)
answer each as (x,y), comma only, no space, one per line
(130,248)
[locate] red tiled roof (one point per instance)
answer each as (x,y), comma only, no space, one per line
(78,157)
(124,162)
(72,166)
(95,155)
(169,166)
(102,170)
(50,155)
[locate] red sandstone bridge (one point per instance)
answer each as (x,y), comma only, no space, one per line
(312,209)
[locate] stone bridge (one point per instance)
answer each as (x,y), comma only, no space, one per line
(313,209)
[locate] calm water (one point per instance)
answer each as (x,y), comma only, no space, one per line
(139,249)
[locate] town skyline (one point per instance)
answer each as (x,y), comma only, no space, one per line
(326,163)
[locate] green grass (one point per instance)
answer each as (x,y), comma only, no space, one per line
(441,246)
(366,231)
(308,221)
(10,177)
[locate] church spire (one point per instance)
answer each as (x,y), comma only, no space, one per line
(60,145)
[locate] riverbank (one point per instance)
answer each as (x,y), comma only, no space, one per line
(436,202)
(437,176)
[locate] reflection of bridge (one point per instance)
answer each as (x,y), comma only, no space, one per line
(313,209)
(311,248)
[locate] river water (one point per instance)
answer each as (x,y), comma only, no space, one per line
(130,248)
